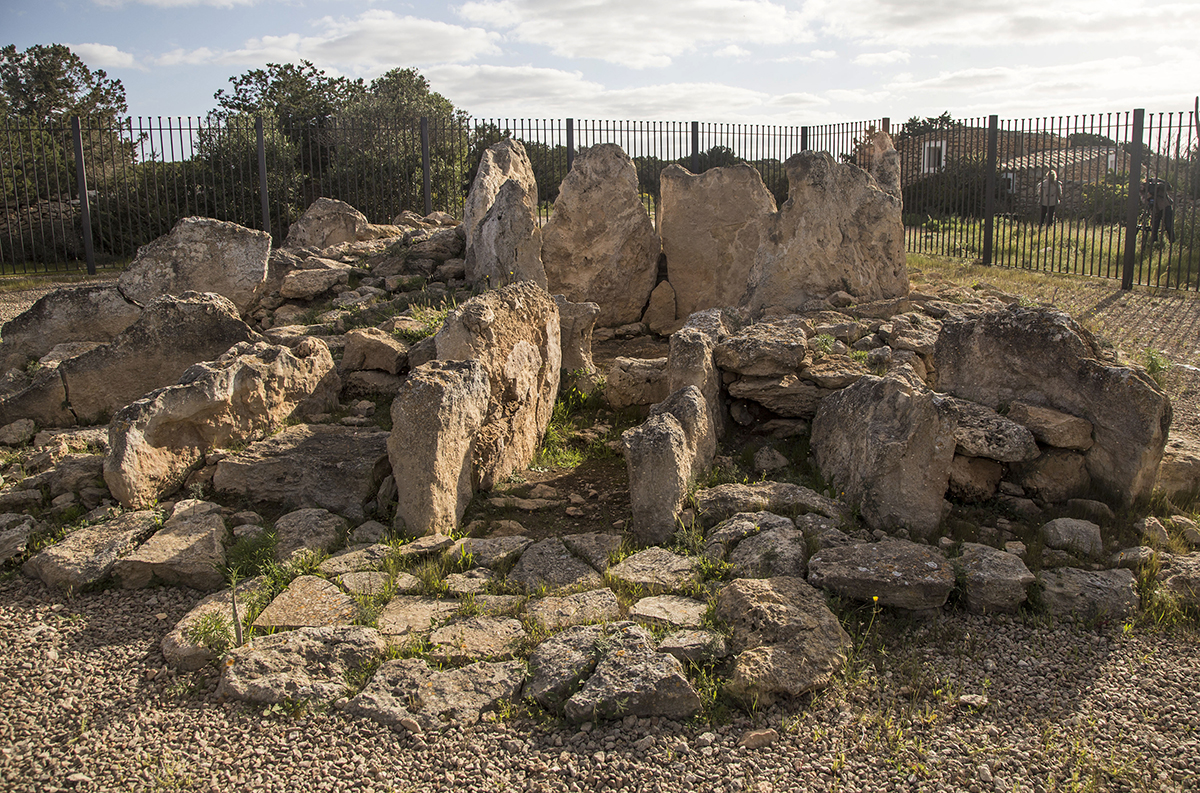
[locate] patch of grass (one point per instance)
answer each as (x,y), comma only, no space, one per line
(1157,365)
(250,555)
(432,317)
(558,449)
(213,631)
(823,343)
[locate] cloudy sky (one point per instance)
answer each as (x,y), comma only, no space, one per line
(738,61)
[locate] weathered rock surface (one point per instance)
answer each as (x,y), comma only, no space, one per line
(86,556)
(900,573)
(243,395)
(508,245)
(76,314)
(310,284)
(187,655)
(562,662)
(334,468)
(982,432)
(716,504)
(669,611)
(1181,580)
(477,639)
(713,225)
(549,563)
(326,222)
(200,255)
(888,447)
(594,547)
(492,552)
(576,321)
(596,605)
(372,348)
(695,647)
(1053,427)
(725,535)
(1076,536)
(308,602)
(354,559)
(636,381)
(186,551)
(311,530)
(1042,357)
(1109,594)
(788,395)
(773,552)
(786,639)
(309,664)
(838,230)
(514,333)
(408,694)
(599,246)
(1057,475)
(435,420)
(974,478)
(656,570)
(407,616)
(501,162)
(660,312)
(767,349)
(995,581)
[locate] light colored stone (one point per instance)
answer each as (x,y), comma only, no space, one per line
(789,395)
(974,478)
(188,550)
(1056,476)
(508,246)
(86,556)
(501,162)
(594,547)
(308,602)
(514,333)
(695,647)
(1053,427)
(1179,471)
(327,222)
(310,284)
(371,348)
(1106,594)
(982,432)
(773,552)
(305,665)
(181,651)
(656,570)
(600,246)
(660,313)
(309,466)
(477,639)
(1071,534)
(435,420)
(201,255)
(596,605)
(355,559)
(492,552)
(900,573)
(242,396)
(995,581)
(311,530)
(888,448)
(713,225)
(669,611)
(767,349)
(548,563)
(576,323)
(71,314)
(716,504)
(370,583)
(18,433)
(636,381)
(1180,579)
(406,616)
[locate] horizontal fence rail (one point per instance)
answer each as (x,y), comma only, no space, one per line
(973,188)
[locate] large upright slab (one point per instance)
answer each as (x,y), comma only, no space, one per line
(502,161)
(515,333)
(600,246)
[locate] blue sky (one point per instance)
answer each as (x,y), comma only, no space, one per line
(737,61)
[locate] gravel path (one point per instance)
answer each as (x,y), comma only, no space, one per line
(1071,708)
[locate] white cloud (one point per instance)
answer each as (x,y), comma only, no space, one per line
(812,57)
(175,3)
(104,56)
(366,45)
(798,100)
(732,51)
(635,33)
(1006,22)
(881,58)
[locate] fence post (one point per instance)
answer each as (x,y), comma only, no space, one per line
(804,139)
(85,211)
(1134,202)
(695,147)
(262,174)
(989,189)
(426,182)
(570,143)
(886,125)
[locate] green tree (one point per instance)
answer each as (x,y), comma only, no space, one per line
(48,82)
(919,126)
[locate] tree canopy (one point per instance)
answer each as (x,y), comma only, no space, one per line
(47,82)
(297,95)
(919,126)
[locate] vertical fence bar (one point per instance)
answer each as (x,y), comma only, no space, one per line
(570,143)
(1133,204)
(426,182)
(264,197)
(695,147)
(989,189)
(85,213)
(804,139)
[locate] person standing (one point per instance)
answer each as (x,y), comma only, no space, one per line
(1156,195)
(1049,192)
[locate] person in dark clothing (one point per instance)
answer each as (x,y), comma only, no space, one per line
(1156,196)
(1049,193)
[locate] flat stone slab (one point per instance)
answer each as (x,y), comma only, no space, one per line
(423,546)
(406,616)
(306,664)
(1074,536)
(900,573)
(310,530)
(1110,594)
(669,611)
(369,582)
(597,605)
(594,547)
(496,605)
(477,639)
(995,581)
(724,501)
(86,556)
(656,570)
(493,552)
(187,550)
(186,655)
(472,582)
(407,694)
(524,504)
(356,559)
(308,602)
(548,563)
(695,646)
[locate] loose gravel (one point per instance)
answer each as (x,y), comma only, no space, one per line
(87,703)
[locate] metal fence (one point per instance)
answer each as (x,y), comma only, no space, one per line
(86,192)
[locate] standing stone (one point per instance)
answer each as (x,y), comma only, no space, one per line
(1044,358)
(599,246)
(887,447)
(514,333)
(436,419)
(660,465)
(501,162)
(187,550)
(576,322)
(199,255)
(713,225)
(508,246)
(326,222)
(838,230)
(243,395)
(660,314)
